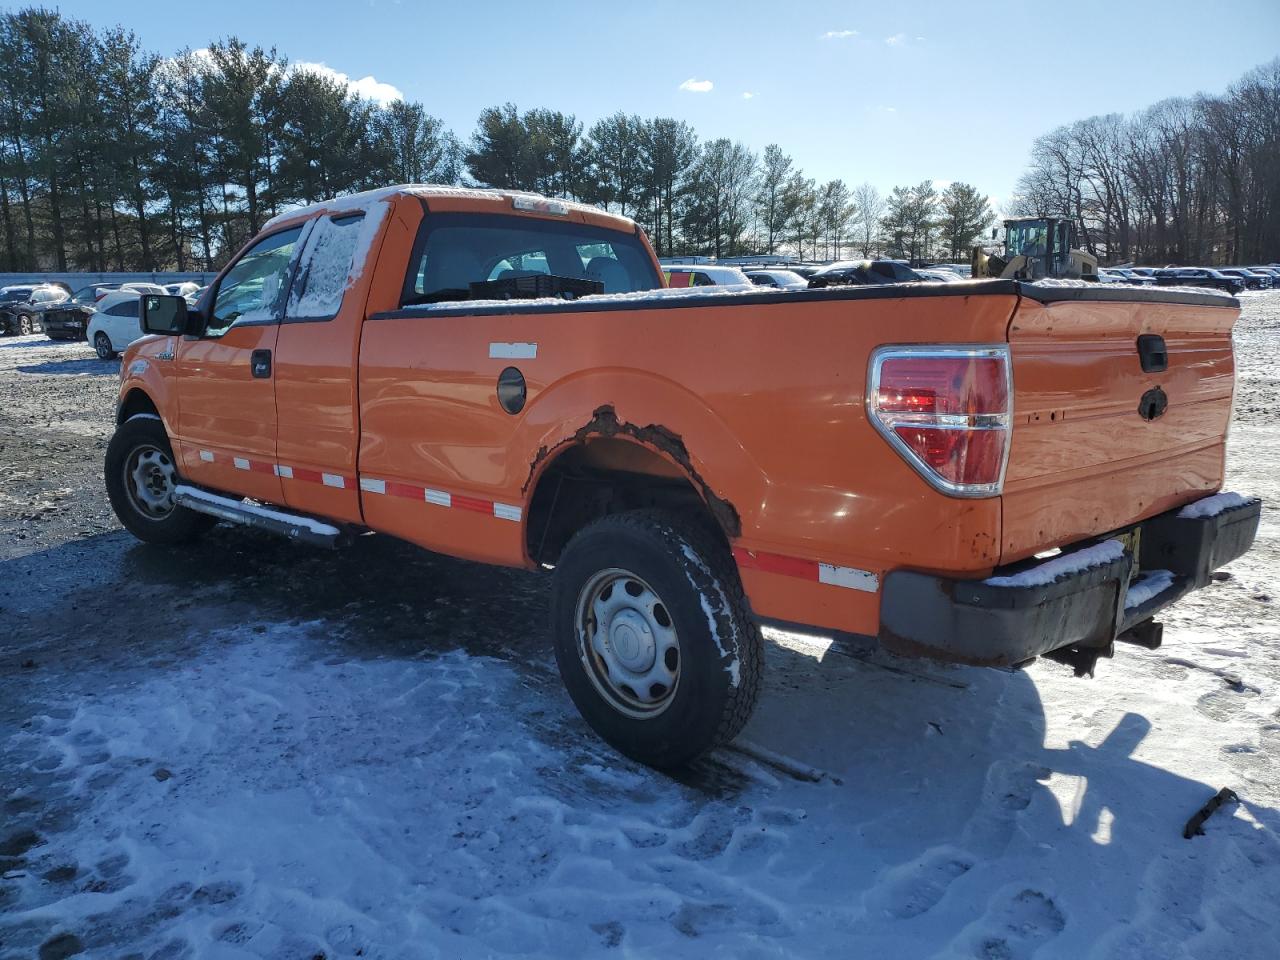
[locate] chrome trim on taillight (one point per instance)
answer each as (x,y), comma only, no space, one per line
(984,421)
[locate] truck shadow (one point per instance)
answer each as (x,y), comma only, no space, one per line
(81,366)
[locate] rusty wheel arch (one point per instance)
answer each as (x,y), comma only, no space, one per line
(553,517)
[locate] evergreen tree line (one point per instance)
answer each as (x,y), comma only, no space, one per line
(115,158)
(1186,181)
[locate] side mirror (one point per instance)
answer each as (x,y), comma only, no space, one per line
(164,314)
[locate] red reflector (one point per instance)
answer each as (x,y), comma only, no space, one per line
(968,457)
(947,410)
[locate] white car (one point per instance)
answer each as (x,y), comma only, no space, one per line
(184,289)
(779,279)
(704,275)
(938,275)
(116,323)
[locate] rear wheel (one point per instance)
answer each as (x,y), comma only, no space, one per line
(102,345)
(653,637)
(142,478)
(24,325)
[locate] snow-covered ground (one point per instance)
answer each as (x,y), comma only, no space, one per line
(252,749)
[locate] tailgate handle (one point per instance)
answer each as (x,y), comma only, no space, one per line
(1153,354)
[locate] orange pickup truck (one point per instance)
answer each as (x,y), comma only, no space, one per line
(981,472)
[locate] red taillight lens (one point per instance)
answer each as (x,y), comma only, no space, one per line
(947,411)
(950,385)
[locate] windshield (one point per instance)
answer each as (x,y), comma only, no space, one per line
(457,250)
(1027,239)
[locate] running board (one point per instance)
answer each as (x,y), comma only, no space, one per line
(292,525)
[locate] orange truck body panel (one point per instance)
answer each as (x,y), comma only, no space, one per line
(765,399)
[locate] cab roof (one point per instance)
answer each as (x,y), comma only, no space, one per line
(475,199)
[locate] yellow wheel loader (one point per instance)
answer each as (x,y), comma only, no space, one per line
(1035,248)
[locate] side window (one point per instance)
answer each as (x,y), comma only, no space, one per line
(700,279)
(327,264)
(250,290)
(125,308)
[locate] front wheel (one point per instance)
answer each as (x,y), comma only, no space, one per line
(24,326)
(142,479)
(102,345)
(653,637)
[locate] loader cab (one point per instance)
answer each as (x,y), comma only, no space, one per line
(1046,242)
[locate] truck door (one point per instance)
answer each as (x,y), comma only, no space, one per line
(226,382)
(316,399)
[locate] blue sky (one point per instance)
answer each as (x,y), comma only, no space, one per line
(893,93)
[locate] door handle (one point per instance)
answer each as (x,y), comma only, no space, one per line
(260,364)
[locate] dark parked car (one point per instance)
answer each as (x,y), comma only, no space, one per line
(1199,277)
(1252,280)
(69,319)
(23,307)
(864,273)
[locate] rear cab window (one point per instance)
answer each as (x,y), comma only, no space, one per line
(453,251)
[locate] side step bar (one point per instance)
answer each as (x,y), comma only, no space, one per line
(292,525)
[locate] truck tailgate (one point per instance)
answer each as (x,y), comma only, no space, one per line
(1088,455)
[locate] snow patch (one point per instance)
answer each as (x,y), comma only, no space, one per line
(733,668)
(1065,565)
(636,296)
(1094,285)
(1212,506)
(1147,586)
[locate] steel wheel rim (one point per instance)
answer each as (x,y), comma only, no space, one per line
(102,345)
(25,326)
(628,643)
(150,480)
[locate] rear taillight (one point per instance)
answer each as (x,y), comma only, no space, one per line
(948,411)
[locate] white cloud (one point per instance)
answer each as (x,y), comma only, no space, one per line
(367,88)
(839,34)
(897,40)
(747,95)
(919,38)
(694,85)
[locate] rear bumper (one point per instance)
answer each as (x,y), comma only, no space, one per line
(1079,601)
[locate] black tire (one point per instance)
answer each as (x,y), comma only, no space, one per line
(24,326)
(146,436)
(693,575)
(102,346)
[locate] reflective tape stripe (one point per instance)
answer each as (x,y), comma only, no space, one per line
(814,571)
(505,511)
(333,480)
(850,577)
(286,472)
(240,463)
(442,498)
(206,456)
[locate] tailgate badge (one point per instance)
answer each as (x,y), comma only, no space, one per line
(1153,404)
